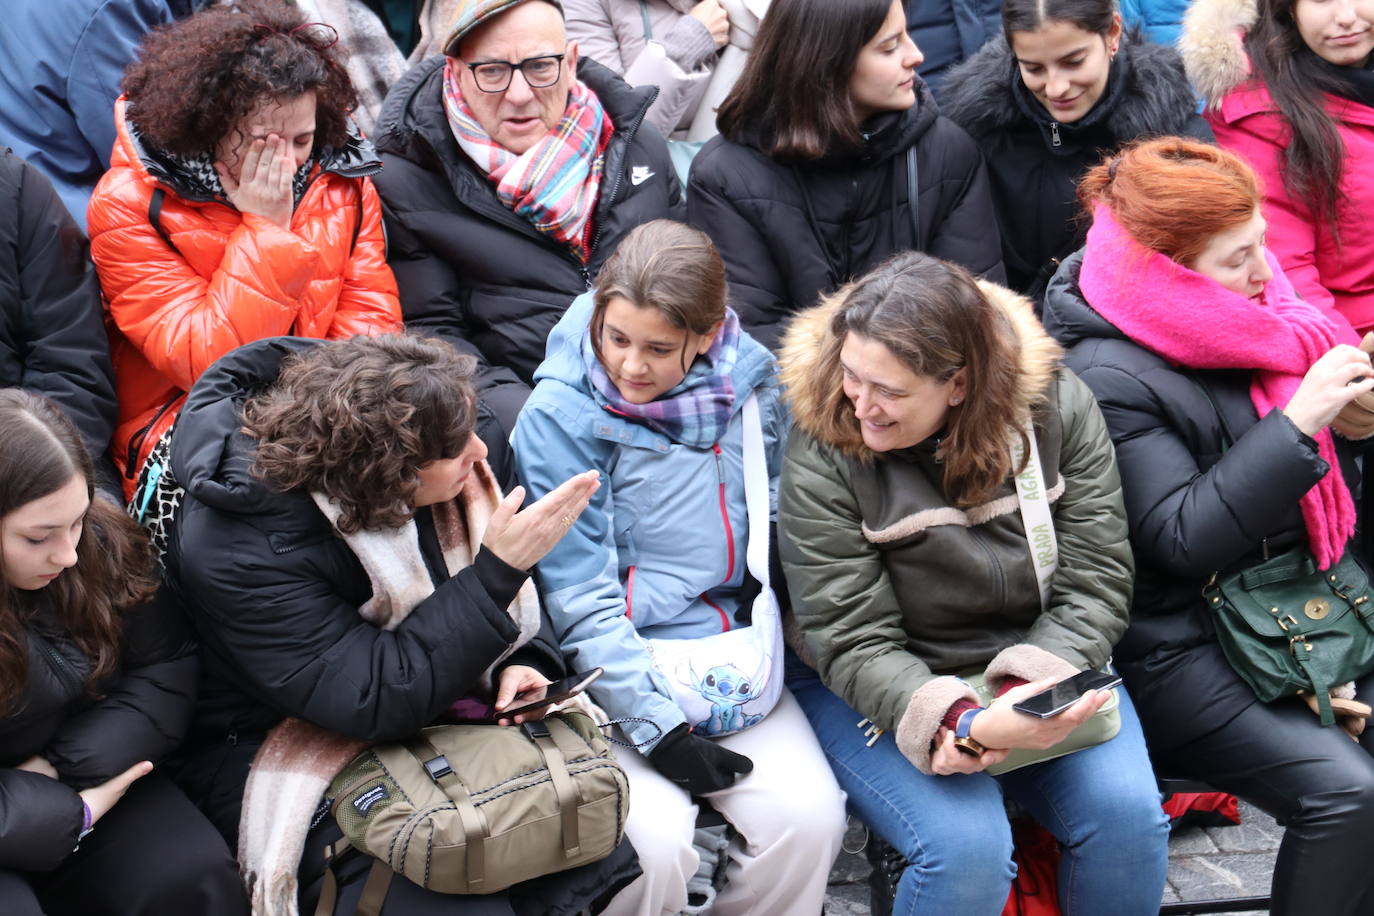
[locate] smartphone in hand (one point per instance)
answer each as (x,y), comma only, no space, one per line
(1056,699)
(560,690)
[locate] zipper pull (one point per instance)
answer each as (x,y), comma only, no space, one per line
(720,463)
(1054,135)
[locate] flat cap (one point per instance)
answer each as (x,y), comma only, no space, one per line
(469,14)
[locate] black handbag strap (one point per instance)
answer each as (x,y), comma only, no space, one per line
(913,198)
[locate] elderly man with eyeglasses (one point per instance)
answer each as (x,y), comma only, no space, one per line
(512,170)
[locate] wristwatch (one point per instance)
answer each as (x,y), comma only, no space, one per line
(963,743)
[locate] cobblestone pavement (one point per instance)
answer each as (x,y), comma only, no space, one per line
(1204,864)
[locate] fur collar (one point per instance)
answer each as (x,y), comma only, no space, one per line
(1212,45)
(810,387)
(979,94)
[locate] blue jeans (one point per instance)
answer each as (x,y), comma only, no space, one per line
(1102,804)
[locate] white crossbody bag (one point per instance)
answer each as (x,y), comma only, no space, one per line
(726,682)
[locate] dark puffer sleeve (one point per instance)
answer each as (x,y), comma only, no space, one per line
(963,226)
(145,712)
(1185,520)
(40,819)
(61,337)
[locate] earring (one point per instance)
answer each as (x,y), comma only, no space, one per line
(955,402)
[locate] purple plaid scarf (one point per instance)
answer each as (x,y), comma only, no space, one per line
(554,184)
(694,412)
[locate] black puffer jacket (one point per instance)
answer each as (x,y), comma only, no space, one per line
(1035,163)
(142,713)
(468,268)
(52,339)
(275,594)
(792,232)
(1195,502)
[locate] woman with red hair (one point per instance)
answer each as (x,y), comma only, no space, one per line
(1229,400)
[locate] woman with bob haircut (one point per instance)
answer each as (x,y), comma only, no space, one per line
(353,569)
(810,185)
(1222,389)
(923,401)
(646,382)
(1061,85)
(97,681)
(237,207)
(1288,87)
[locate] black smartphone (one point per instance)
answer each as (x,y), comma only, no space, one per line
(1061,696)
(556,692)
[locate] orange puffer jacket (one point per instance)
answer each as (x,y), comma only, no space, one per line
(227,278)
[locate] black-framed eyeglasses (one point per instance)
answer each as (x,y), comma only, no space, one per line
(539,72)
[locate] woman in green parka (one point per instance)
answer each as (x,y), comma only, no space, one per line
(915,391)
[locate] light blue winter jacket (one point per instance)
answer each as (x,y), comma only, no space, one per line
(660,549)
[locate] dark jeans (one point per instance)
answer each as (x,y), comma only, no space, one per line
(153,854)
(1315,781)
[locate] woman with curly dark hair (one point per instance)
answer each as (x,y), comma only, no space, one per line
(97,679)
(237,207)
(353,570)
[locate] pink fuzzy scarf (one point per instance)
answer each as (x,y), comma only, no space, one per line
(1193,321)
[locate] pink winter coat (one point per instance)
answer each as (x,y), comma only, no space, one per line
(1337,278)
(1323,272)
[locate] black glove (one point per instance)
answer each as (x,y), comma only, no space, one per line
(697,764)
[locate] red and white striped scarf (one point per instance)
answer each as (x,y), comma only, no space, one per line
(554,184)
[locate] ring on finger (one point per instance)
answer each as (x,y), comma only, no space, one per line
(567,521)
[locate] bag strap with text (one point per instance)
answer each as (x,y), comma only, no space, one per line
(1035,514)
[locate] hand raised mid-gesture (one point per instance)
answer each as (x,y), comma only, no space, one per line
(521,538)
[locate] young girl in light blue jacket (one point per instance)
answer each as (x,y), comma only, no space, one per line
(645,380)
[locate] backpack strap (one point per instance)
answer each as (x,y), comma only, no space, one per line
(474,824)
(569,798)
(155,215)
(374,891)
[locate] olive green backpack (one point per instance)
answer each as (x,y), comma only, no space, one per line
(473,809)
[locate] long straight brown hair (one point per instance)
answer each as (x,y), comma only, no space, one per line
(41,453)
(794,90)
(935,320)
(1314,158)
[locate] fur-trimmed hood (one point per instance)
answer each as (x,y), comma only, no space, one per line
(1148,95)
(1212,45)
(814,388)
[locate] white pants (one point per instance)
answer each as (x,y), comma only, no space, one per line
(789,813)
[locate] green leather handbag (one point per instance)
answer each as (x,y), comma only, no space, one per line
(1288,628)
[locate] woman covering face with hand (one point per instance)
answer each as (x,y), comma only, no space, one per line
(1229,399)
(97,681)
(908,552)
(1063,85)
(1288,87)
(237,207)
(822,140)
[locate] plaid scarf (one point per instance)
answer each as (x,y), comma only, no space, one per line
(694,412)
(554,184)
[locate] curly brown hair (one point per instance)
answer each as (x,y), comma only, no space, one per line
(356,419)
(195,80)
(40,453)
